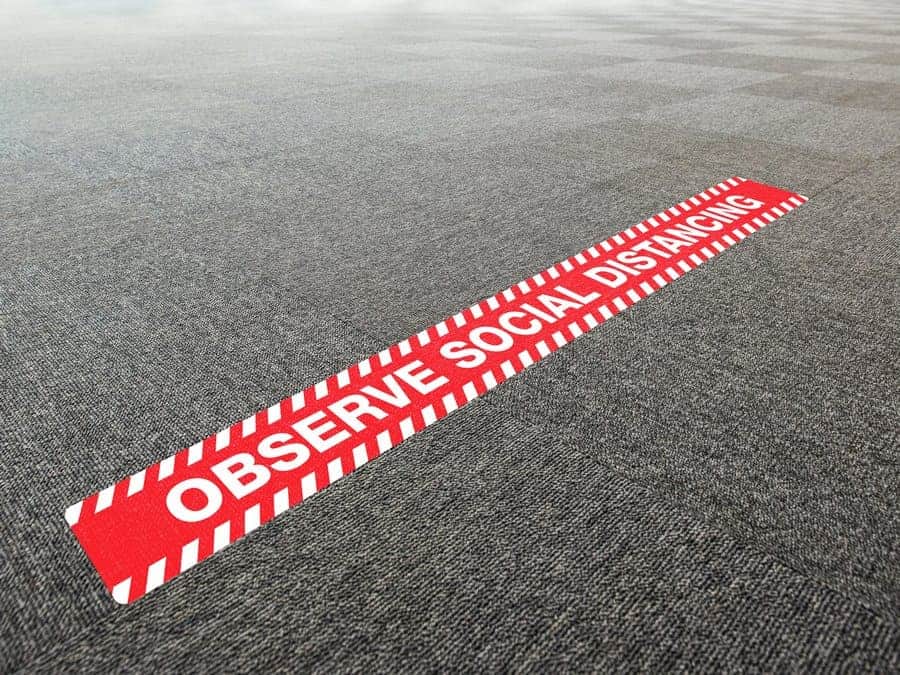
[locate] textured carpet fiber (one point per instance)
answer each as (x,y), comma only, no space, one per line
(201,214)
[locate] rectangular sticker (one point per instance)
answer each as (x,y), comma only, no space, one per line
(150,527)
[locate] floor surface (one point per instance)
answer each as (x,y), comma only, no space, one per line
(203,213)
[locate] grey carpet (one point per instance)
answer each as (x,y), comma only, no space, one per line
(204,212)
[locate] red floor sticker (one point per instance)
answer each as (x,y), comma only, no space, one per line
(154,525)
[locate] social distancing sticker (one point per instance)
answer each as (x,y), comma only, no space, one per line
(150,527)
